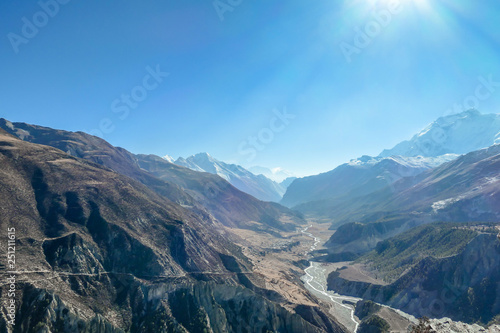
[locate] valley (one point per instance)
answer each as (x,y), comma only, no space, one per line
(286,270)
(306,167)
(344,307)
(111,241)
(280,260)
(315,280)
(98,251)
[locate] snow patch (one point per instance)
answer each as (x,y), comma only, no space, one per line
(9,125)
(410,162)
(168,158)
(442,204)
(22,133)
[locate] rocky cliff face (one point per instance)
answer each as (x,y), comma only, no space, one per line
(200,307)
(464,287)
(97,251)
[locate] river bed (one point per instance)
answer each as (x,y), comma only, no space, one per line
(315,280)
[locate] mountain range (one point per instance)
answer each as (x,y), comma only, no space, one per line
(357,178)
(458,133)
(103,245)
(277,174)
(202,192)
(258,186)
(110,241)
(322,196)
(463,190)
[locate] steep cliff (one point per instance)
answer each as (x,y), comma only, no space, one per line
(462,284)
(97,251)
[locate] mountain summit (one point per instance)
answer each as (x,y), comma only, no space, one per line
(459,133)
(258,186)
(326,194)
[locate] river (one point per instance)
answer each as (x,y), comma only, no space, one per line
(315,282)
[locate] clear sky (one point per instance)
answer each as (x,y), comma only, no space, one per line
(303,85)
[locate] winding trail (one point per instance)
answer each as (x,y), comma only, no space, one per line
(316,280)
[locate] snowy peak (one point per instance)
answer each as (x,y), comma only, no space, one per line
(416,162)
(258,186)
(205,163)
(188,164)
(168,158)
(454,134)
(358,178)
(203,158)
(435,147)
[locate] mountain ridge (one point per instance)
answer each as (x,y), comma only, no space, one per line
(101,252)
(206,194)
(469,131)
(453,134)
(258,186)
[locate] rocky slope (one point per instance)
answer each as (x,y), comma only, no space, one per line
(100,252)
(315,195)
(203,193)
(463,190)
(228,204)
(358,238)
(446,325)
(459,281)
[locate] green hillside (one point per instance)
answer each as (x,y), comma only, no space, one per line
(392,257)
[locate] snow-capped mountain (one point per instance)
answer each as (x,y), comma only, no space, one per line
(277,174)
(466,189)
(463,190)
(442,141)
(258,186)
(454,134)
(358,177)
(169,158)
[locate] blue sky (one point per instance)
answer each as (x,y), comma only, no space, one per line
(89,66)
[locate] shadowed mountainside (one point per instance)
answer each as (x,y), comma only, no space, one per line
(100,252)
(438,270)
(223,200)
(463,190)
(360,177)
(200,192)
